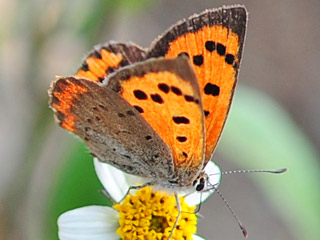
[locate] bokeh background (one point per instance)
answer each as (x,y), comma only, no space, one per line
(274,121)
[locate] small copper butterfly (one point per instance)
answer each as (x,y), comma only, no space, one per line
(157,112)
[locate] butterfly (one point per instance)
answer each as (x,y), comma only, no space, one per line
(158,112)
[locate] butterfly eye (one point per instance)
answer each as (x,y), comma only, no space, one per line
(199,184)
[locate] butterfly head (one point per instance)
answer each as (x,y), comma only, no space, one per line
(201,182)
(208,179)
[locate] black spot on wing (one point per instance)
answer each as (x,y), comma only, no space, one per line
(229,59)
(181,120)
(156,98)
(140,95)
(211,89)
(139,109)
(163,87)
(182,138)
(176,90)
(198,60)
(97,54)
(189,98)
(85,67)
(210,46)
(221,49)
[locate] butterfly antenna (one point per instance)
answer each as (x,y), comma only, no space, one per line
(244,231)
(282,170)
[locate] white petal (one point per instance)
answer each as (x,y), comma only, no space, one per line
(214,174)
(133,180)
(115,181)
(92,222)
(112,179)
(196,237)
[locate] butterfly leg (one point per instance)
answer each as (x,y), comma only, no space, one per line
(108,196)
(136,188)
(178,217)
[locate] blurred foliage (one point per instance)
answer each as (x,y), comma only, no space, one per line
(99,15)
(259,134)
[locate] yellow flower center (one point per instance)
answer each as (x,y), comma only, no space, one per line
(152,215)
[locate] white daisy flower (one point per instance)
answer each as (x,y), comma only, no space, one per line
(145,214)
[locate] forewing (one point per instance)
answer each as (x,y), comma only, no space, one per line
(166,93)
(113,130)
(213,41)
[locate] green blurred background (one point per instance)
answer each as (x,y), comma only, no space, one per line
(274,121)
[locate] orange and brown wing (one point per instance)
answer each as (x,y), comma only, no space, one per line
(63,95)
(166,93)
(105,59)
(213,41)
(112,129)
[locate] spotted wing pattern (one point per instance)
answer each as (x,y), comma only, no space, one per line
(114,131)
(213,41)
(166,93)
(107,58)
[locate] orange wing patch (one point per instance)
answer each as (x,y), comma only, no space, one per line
(162,98)
(213,62)
(213,42)
(171,104)
(63,94)
(96,67)
(103,60)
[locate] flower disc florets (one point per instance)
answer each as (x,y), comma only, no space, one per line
(152,215)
